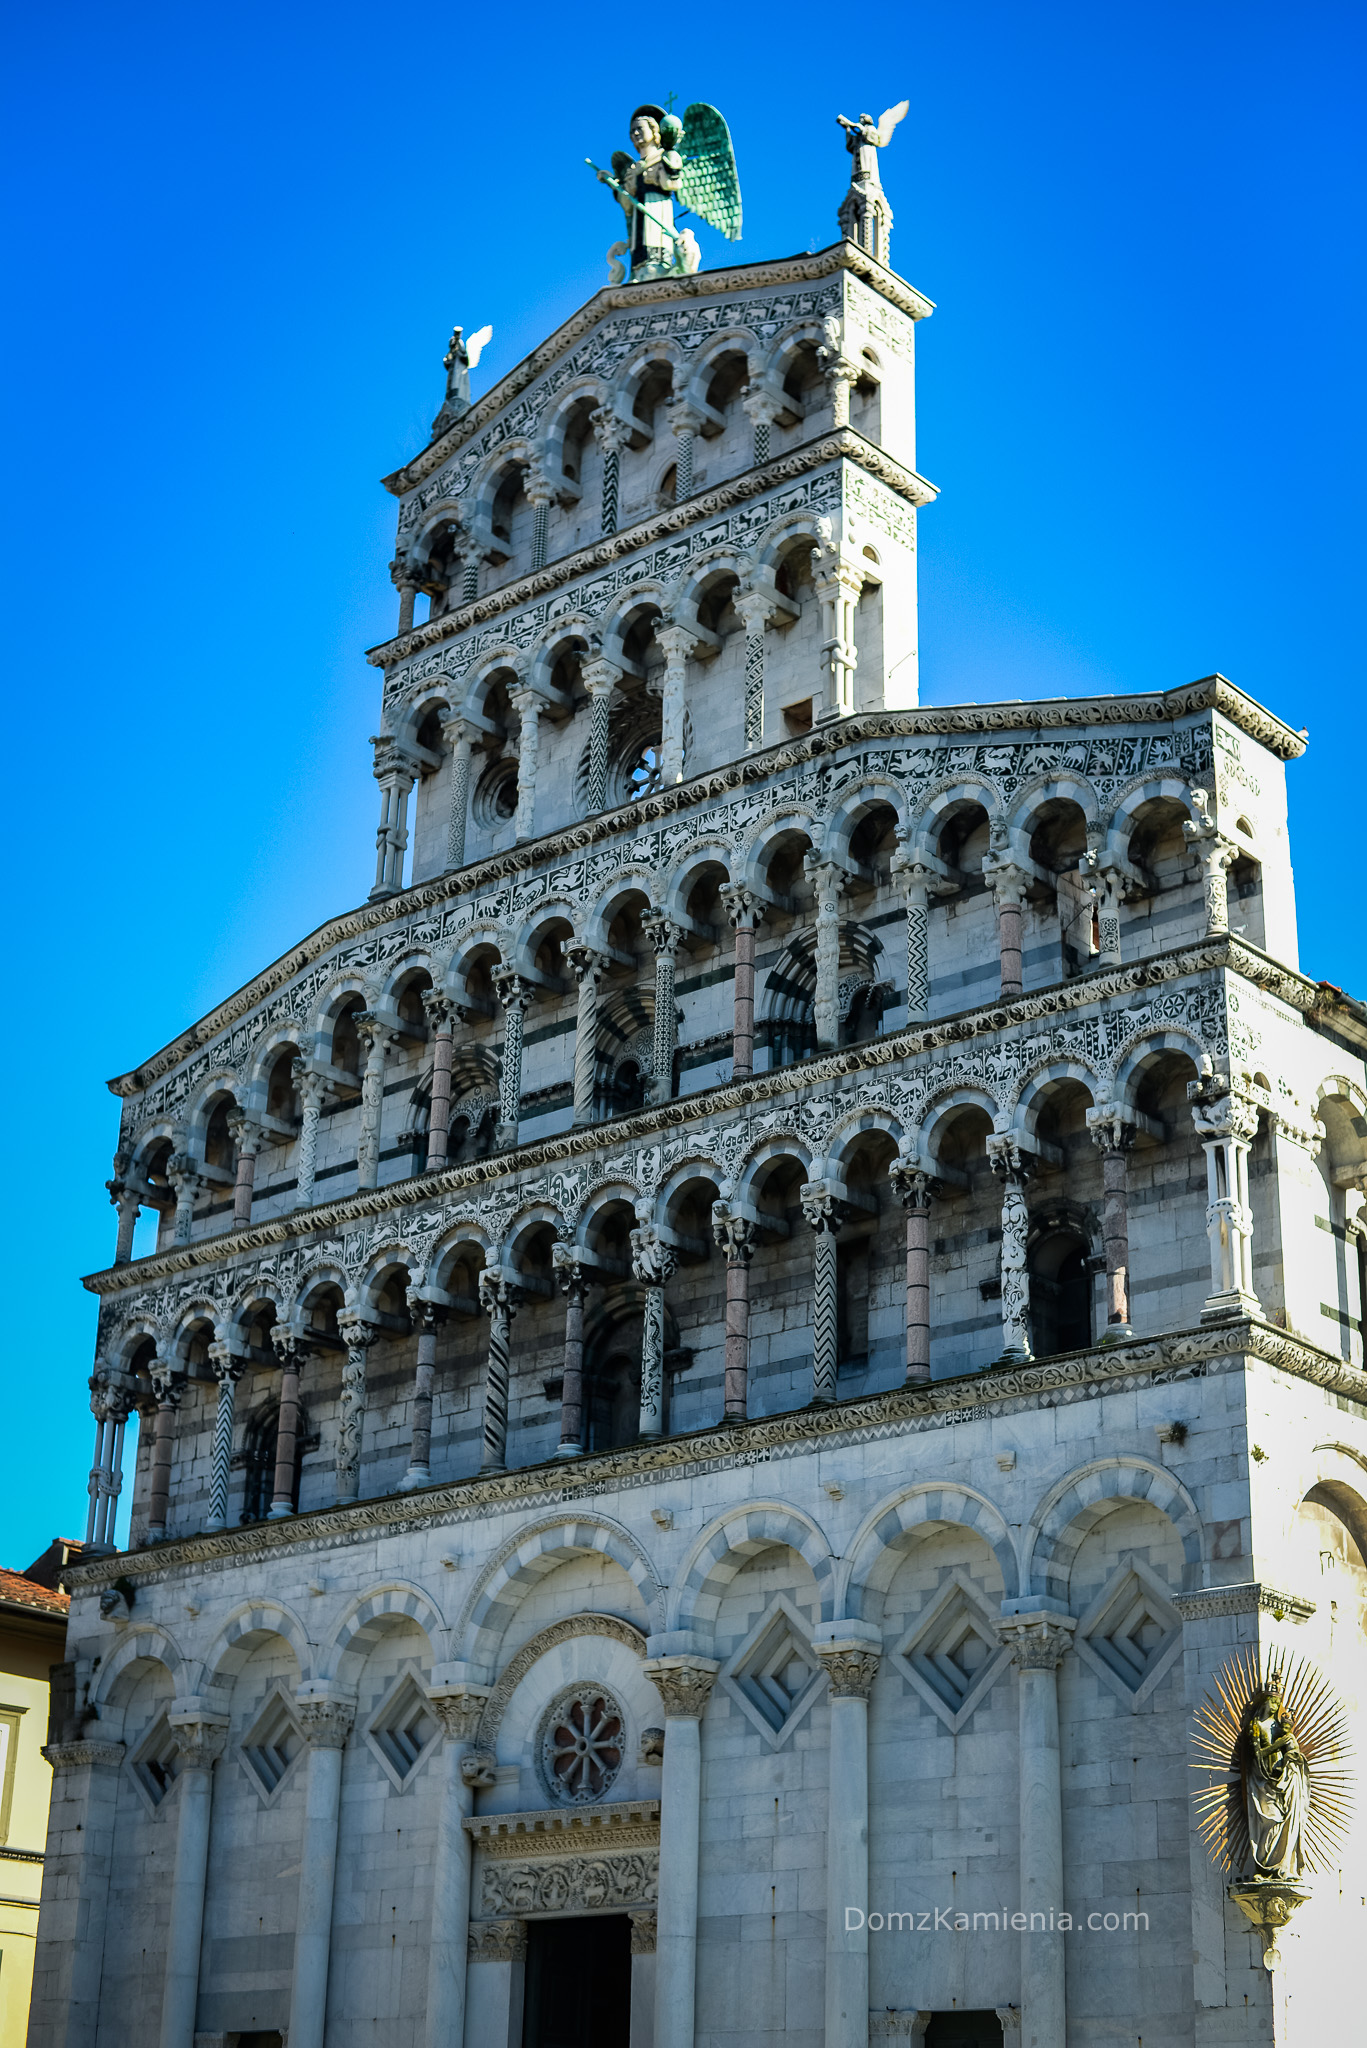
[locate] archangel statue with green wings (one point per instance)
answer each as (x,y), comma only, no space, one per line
(689,160)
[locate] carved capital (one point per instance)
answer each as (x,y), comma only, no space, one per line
(642,1933)
(497,1941)
(850,1667)
(664,935)
(1009,1160)
(440,1009)
(355,1332)
(227,1367)
(199,1736)
(458,1708)
(610,429)
(743,906)
(822,1209)
(513,992)
(914,1186)
(1037,1642)
(83,1756)
(1109,1130)
(736,1236)
(569,1263)
(325,1723)
(683,1683)
(584,962)
(498,1290)
(652,1260)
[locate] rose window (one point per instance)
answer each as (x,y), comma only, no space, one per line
(582,1743)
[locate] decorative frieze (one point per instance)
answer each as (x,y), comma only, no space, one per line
(616,1826)
(576,1884)
(1249,1597)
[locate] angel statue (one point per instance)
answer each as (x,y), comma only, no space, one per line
(460,358)
(690,160)
(865,216)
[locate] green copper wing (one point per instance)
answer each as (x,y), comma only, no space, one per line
(710,187)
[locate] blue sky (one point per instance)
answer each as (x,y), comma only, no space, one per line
(238,241)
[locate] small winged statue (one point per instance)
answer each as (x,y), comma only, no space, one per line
(689,160)
(865,216)
(460,358)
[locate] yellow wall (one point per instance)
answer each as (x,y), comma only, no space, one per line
(26,1652)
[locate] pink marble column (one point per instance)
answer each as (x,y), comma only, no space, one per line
(1008,883)
(249,1138)
(167,1392)
(914,1190)
(743,909)
(441,1016)
(286,1350)
(736,1236)
(574,1283)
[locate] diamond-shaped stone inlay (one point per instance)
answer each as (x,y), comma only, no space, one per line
(404,1729)
(1131,1632)
(271,1746)
(156,1761)
(951,1652)
(774,1675)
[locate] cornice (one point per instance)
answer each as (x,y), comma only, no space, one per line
(817,1071)
(617,1824)
(841,442)
(1251,1597)
(703,284)
(931,722)
(744,1444)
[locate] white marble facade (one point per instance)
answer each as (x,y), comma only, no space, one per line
(731,1353)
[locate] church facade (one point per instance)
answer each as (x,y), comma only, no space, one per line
(725,1360)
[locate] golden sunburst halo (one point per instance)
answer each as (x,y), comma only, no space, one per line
(1321,1725)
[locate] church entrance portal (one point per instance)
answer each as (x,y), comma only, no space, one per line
(964,2030)
(578,1983)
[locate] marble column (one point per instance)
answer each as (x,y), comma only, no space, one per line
(916,879)
(1215,854)
(1226,1125)
(249,1138)
(396,777)
(1012,1167)
(529,705)
(285,1346)
(458,1706)
(227,1370)
(536,487)
(1038,1639)
(1009,885)
(377,1038)
(498,1297)
(841,373)
(573,1277)
(914,1189)
(441,1017)
(407,587)
(1113,1137)
(652,1264)
(684,1682)
(849,1652)
(588,968)
(736,1237)
(828,879)
(325,1720)
(515,996)
(183,1173)
(95,1488)
(358,1336)
(744,910)
(762,410)
(676,643)
(838,584)
(600,679)
(1108,889)
(127,1200)
(756,610)
(612,435)
(69,1959)
(685,422)
(313,1093)
(167,1387)
(460,739)
(426,1316)
(200,1737)
(666,938)
(825,1215)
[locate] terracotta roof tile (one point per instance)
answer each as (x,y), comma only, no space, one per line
(21,1592)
